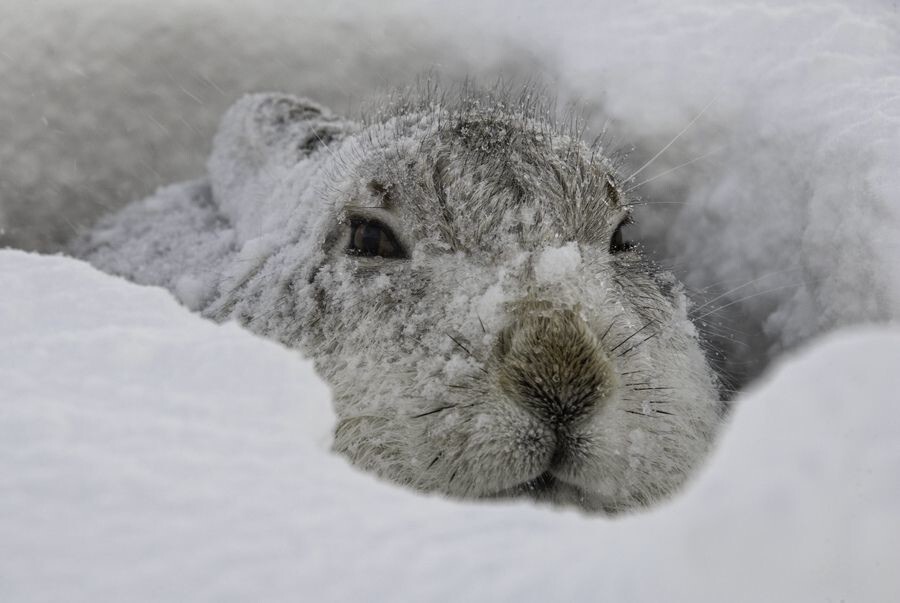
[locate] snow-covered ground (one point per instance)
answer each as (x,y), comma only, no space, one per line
(146,454)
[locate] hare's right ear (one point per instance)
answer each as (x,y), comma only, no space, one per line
(271,130)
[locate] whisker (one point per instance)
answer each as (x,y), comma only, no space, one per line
(739,287)
(630,336)
(431,412)
(447,407)
(671,142)
(483,330)
(745,298)
(639,343)
(606,332)
(643,203)
(467,351)
(669,171)
(431,464)
(640,414)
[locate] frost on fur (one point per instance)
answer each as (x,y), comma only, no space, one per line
(454,264)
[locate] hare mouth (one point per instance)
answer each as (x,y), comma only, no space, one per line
(543,484)
(543,487)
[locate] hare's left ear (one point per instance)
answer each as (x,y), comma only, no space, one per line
(269,130)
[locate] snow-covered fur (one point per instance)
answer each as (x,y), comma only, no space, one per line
(456,268)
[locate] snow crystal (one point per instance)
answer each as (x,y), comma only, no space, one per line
(555,263)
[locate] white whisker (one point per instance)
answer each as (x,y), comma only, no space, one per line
(671,142)
(669,171)
(745,298)
(741,286)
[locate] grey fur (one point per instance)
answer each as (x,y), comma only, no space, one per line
(511,353)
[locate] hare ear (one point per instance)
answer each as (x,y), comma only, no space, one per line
(291,126)
(271,130)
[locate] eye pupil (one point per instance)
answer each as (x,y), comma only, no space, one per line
(373,239)
(618,244)
(370,238)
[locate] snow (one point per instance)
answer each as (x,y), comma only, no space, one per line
(146,454)
(555,263)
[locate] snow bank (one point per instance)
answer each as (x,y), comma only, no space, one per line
(146,454)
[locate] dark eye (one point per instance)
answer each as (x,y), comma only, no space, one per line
(618,243)
(370,238)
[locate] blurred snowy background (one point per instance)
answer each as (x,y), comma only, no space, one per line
(124,476)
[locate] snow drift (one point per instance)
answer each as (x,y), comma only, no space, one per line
(146,454)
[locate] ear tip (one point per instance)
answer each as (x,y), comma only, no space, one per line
(279,107)
(264,117)
(266,128)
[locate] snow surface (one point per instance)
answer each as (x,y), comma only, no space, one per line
(146,454)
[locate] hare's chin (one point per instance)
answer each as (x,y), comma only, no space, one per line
(544,487)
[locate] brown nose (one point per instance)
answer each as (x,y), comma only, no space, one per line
(552,365)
